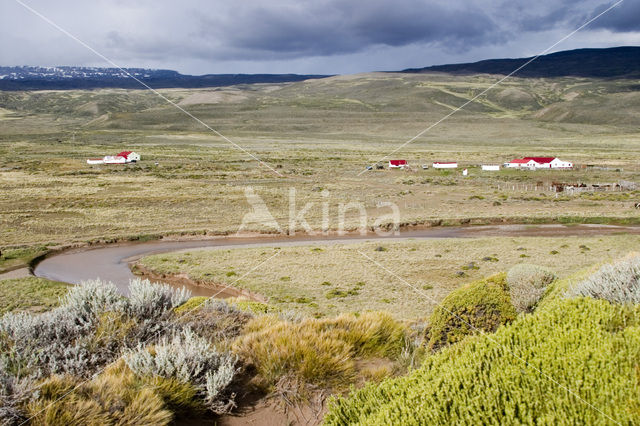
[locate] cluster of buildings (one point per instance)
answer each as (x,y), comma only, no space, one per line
(122,158)
(528,163)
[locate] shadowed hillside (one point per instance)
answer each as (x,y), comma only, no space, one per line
(616,62)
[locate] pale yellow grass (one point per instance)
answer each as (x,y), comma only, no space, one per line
(304,277)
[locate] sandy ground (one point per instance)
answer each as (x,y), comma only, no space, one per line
(16,273)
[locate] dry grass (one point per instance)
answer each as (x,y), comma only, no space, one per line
(336,278)
(319,140)
(317,351)
(30,294)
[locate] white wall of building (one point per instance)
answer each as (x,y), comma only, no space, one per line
(445,165)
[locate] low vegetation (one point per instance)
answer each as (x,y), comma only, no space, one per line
(166,363)
(527,283)
(30,294)
(479,307)
(182,185)
(525,373)
(617,282)
(336,278)
(318,351)
(19,257)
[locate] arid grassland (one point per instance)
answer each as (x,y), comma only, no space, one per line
(330,279)
(399,332)
(318,135)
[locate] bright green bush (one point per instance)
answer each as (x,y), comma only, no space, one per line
(527,283)
(519,375)
(482,305)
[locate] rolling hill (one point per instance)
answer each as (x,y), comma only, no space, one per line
(70,78)
(616,62)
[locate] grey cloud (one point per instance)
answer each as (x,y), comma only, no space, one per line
(623,18)
(337,27)
(302,35)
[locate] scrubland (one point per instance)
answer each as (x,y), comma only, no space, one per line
(318,135)
(159,355)
(554,341)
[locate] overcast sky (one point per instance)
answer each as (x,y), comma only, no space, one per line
(302,36)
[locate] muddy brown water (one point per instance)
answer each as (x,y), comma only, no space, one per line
(112,262)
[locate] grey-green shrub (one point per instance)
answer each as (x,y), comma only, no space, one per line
(618,282)
(148,301)
(188,358)
(527,283)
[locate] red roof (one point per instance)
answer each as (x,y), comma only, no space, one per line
(519,161)
(398,162)
(540,160)
(124,154)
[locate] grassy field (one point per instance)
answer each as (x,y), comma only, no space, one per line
(319,135)
(331,279)
(30,294)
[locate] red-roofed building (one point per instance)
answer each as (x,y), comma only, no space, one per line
(122,158)
(395,164)
(539,163)
(129,156)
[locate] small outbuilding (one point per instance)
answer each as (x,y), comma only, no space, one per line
(445,165)
(490,167)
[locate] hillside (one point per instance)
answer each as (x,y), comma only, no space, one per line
(67,78)
(616,62)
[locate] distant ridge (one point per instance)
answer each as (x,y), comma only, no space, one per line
(67,78)
(614,62)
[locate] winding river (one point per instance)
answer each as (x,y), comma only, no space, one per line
(112,262)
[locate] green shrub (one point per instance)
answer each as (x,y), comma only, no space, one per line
(581,368)
(482,305)
(190,305)
(527,283)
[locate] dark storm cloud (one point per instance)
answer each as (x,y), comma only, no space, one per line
(336,27)
(624,18)
(310,36)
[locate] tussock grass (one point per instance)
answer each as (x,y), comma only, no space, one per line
(117,396)
(318,351)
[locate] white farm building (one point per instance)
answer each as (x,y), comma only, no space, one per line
(445,165)
(122,158)
(534,163)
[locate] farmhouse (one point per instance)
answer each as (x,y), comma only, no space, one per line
(395,164)
(445,165)
(539,163)
(122,158)
(129,156)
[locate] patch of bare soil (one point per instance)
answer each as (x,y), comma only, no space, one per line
(221,291)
